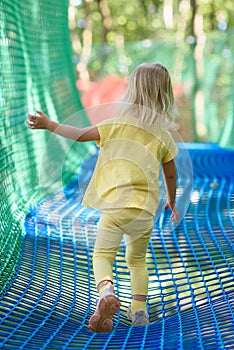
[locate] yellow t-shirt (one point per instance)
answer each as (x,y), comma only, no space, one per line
(127,170)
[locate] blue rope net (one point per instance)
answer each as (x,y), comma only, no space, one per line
(191,278)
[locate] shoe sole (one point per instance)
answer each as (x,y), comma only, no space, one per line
(101,321)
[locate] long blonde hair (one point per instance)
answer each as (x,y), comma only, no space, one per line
(149,94)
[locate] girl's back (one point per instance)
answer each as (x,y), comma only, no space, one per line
(127,171)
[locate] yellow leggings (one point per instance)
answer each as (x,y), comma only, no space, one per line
(137,225)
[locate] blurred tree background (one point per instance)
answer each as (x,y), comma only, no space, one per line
(193,38)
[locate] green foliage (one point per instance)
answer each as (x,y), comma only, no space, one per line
(139,19)
(217,14)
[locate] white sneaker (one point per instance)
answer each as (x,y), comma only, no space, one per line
(138,318)
(107,306)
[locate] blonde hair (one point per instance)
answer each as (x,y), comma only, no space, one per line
(149,94)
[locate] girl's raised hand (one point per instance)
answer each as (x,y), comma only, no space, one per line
(38,122)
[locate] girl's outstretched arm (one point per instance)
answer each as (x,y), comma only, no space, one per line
(71,132)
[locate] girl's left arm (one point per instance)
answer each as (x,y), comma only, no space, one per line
(169,174)
(71,132)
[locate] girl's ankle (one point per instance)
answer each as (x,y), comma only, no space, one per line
(138,305)
(104,285)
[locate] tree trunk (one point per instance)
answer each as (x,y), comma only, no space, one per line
(87,43)
(106,19)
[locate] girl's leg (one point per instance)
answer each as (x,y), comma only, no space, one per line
(136,261)
(106,246)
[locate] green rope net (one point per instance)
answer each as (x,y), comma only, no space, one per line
(37,74)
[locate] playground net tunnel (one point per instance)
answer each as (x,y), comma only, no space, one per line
(46,239)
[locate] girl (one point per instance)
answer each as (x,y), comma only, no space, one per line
(124,184)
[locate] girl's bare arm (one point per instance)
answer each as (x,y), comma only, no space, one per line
(71,132)
(169,174)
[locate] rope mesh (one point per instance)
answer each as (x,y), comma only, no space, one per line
(191,273)
(36,74)
(46,283)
